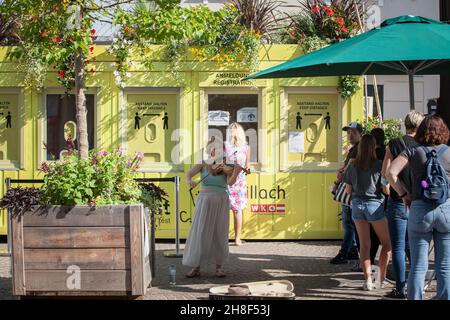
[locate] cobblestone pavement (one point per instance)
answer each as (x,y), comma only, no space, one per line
(305,264)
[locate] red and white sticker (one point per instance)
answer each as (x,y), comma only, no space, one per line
(268,208)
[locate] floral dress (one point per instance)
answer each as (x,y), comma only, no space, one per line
(237,191)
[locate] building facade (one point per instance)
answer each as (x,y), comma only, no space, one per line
(294,127)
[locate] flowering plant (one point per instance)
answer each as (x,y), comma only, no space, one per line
(54,48)
(321,24)
(103,178)
(348,86)
(391,127)
(214,35)
(331,22)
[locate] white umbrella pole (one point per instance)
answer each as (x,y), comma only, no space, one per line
(377,99)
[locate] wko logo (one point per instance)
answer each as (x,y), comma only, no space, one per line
(268,208)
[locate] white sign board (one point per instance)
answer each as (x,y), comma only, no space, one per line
(218,118)
(248,114)
(296,142)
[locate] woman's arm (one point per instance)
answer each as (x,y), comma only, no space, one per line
(247,159)
(194,170)
(232,177)
(388,157)
(395,168)
(347,177)
(348,189)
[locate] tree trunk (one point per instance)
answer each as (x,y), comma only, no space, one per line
(80,99)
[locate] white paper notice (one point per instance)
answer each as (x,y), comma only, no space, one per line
(296,142)
(218,118)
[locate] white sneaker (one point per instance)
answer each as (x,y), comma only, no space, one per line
(384,284)
(368,286)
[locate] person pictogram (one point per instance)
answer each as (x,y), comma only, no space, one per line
(136,121)
(166,121)
(299,121)
(8,120)
(328,121)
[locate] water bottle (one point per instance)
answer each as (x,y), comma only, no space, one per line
(172,274)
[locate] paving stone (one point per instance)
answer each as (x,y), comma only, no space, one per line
(304,263)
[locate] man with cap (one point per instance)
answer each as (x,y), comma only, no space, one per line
(349,248)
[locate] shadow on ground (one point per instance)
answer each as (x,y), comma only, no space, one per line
(313,277)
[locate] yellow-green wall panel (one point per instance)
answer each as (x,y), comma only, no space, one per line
(310,212)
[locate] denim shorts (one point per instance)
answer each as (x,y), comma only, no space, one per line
(368,210)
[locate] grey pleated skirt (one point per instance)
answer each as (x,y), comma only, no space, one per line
(207,241)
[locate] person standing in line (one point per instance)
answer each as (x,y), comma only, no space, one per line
(208,235)
(428,220)
(363,180)
(349,248)
(397,212)
(237,150)
(378,134)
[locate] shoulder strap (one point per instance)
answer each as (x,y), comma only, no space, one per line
(442,150)
(426,150)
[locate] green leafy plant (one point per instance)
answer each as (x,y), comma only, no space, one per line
(211,35)
(322,23)
(391,127)
(348,86)
(152,196)
(259,16)
(333,21)
(56,36)
(103,178)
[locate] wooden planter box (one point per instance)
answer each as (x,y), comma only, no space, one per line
(106,246)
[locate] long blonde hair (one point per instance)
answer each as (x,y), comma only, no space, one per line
(236,135)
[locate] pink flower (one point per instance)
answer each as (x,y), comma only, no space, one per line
(139,155)
(121,150)
(45,168)
(329,12)
(94,160)
(344,29)
(340,21)
(70,145)
(103,153)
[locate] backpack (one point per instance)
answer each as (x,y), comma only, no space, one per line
(435,183)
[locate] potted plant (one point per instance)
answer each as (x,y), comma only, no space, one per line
(84,232)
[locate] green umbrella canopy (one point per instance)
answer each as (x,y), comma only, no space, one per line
(404,45)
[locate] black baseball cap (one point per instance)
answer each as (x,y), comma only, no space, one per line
(353,125)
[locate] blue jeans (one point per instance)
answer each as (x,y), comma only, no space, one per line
(349,242)
(397,216)
(429,221)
